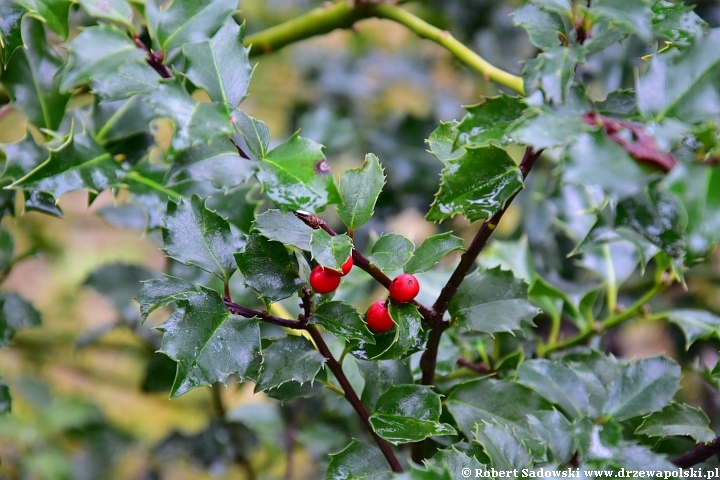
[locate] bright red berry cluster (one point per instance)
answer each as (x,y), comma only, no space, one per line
(404,288)
(325,280)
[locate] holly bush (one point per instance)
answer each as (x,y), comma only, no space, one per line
(601,118)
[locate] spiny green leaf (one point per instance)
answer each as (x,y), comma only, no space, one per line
(359,189)
(10,29)
(30,78)
(115,10)
(544,28)
(635,15)
(490,120)
(492,301)
(476,184)
(208,342)
(221,66)
(661,93)
(343,320)
(432,250)
(406,338)
(42,202)
(53,13)
(442,142)
(548,129)
(379,376)
(455,461)
(194,235)
(391,251)
(695,324)
(268,268)
(15,314)
(505,450)
(284,228)
(677,419)
(23,157)
(556,431)
(552,72)
(159,292)
(254,132)
(358,461)
(409,413)
(188,21)
(130,78)
(557,383)
(296,176)
(120,119)
(289,358)
(677,23)
(239,205)
(330,251)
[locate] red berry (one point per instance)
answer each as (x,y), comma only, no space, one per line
(404,288)
(346,267)
(321,281)
(378,318)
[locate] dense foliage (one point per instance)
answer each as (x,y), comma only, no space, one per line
(609,138)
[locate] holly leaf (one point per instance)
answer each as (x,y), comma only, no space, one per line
(391,252)
(254,132)
(432,250)
(695,324)
(358,461)
(30,81)
(455,461)
(194,235)
(442,142)
(661,95)
(80,163)
(546,129)
(677,23)
(296,176)
(42,202)
(23,157)
(121,119)
(399,342)
(10,29)
(552,72)
(284,228)
(644,387)
(342,320)
(379,376)
(476,184)
(409,413)
(15,314)
(188,21)
(544,28)
(195,122)
(636,16)
(128,79)
(492,301)
(289,359)
(330,251)
(208,343)
(505,450)
(556,383)
(221,66)
(490,120)
(115,10)
(268,268)
(96,53)
(556,432)
(359,190)
(53,13)
(159,292)
(677,420)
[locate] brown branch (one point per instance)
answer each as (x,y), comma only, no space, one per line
(642,147)
(154,59)
(264,316)
(699,454)
(352,397)
(480,368)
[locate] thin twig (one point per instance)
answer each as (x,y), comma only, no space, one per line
(264,316)
(154,59)
(701,452)
(480,368)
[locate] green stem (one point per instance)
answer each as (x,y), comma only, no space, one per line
(341,15)
(611,280)
(154,185)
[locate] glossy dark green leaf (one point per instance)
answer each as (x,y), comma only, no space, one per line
(678,419)
(296,176)
(289,358)
(359,190)
(254,132)
(53,13)
(42,202)
(557,6)
(239,205)
(97,52)
(597,372)
(645,386)
(543,27)
(442,142)
(490,120)
(358,461)
(284,228)
(638,457)
(658,216)
(7,250)
(408,413)
(492,301)
(455,461)
(342,320)
(292,389)
(10,28)
(557,383)
(598,442)
(552,72)
(406,338)
(208,342)
(23,157)
(194,235)
(221,65)
(115,10)
(121,119)
(695,324)
(379,376)
(391,252)
(548,129)
(476,184)
(634,15)
(505,450)
(268,268)
(80,163)
(189,21)
(489,400)
(677,23)
(430,471)
(30,78)
(556,431)
(131,77)
(217,162)
(159,292)
(146,190)
(195,122)
(5,399)
(15,314)
(330,251)
(661,93)
(432,250)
